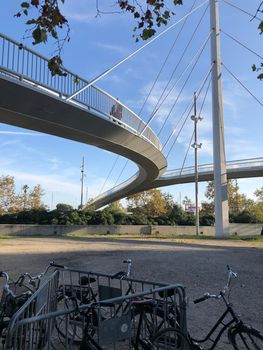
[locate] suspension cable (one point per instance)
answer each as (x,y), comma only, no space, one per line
(190,107)
(160,71)
(180,130)
(93,81)
(158,103)
(232,74)
(237,41)
(186,154)
(166,59)
(199,114)
(186,81)
(204,99)
(107,178)
(121,172)
(240,9)
(155,81)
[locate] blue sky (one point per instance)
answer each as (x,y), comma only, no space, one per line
(99,42)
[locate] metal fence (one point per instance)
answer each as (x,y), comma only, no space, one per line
(243,164)
(104,312)
(33,336)
(19,61)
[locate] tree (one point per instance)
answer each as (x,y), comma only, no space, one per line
(8,199)
(236,200)
(62,207)
(35,197)
(24,196)
(259,194)
(150,203)
(260,27)
(187,203)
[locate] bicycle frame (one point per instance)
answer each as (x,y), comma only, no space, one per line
(234,320)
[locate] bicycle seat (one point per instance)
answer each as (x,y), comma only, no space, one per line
(144,302)
(85,280)
(167,293)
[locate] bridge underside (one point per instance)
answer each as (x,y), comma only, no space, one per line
(33,108)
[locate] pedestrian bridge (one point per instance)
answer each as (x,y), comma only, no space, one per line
(32,98)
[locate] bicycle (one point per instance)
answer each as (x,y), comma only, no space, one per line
(72,296)
(15,294)
(240,335)
(147,315)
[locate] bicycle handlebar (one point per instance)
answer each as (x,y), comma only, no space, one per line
(119,275)
(222,292)
(203,298)
(4,275)
(53,264)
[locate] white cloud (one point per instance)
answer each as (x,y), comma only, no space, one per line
(113,48)
(20,133)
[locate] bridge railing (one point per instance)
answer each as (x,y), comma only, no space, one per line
(205,168)
(19,61)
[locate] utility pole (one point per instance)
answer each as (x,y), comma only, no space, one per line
(51,207)
(87,193)
(82,183)
(220,178)
(196,146)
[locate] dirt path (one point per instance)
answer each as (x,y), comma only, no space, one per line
(200,266)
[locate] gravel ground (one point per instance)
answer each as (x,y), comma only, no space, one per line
(200,266)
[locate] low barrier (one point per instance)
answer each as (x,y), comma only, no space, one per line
(155,230)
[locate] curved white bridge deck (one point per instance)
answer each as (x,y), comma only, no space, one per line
(235,169)
(31,98)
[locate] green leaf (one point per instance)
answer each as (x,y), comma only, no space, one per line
(260,27)
(147,33)
(254,68)
(260,76)
(35,3)
(43,35)
(25,12)
(31,21)
(166,14)
(25,4)
(76,80)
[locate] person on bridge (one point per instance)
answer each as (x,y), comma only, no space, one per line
(116,110)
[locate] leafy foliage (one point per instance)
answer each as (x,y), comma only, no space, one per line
(150,203)
(260,28)
(11,202)
(47,22)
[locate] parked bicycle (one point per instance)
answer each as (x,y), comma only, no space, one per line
(240,335)
(15,294)
(72,295)
(148,316)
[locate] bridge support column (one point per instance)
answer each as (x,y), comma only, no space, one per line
(220,178)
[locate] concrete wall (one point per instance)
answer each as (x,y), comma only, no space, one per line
(28,230)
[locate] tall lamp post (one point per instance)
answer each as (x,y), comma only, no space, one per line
(82,183)
(196,146)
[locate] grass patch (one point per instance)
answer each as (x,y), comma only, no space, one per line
(163,236)
(258,240)
(7,237)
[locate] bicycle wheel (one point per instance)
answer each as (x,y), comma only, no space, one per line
(245,338)
(69,326)
(170,339)
(147,321)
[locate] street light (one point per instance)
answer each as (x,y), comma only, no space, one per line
(196,146)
